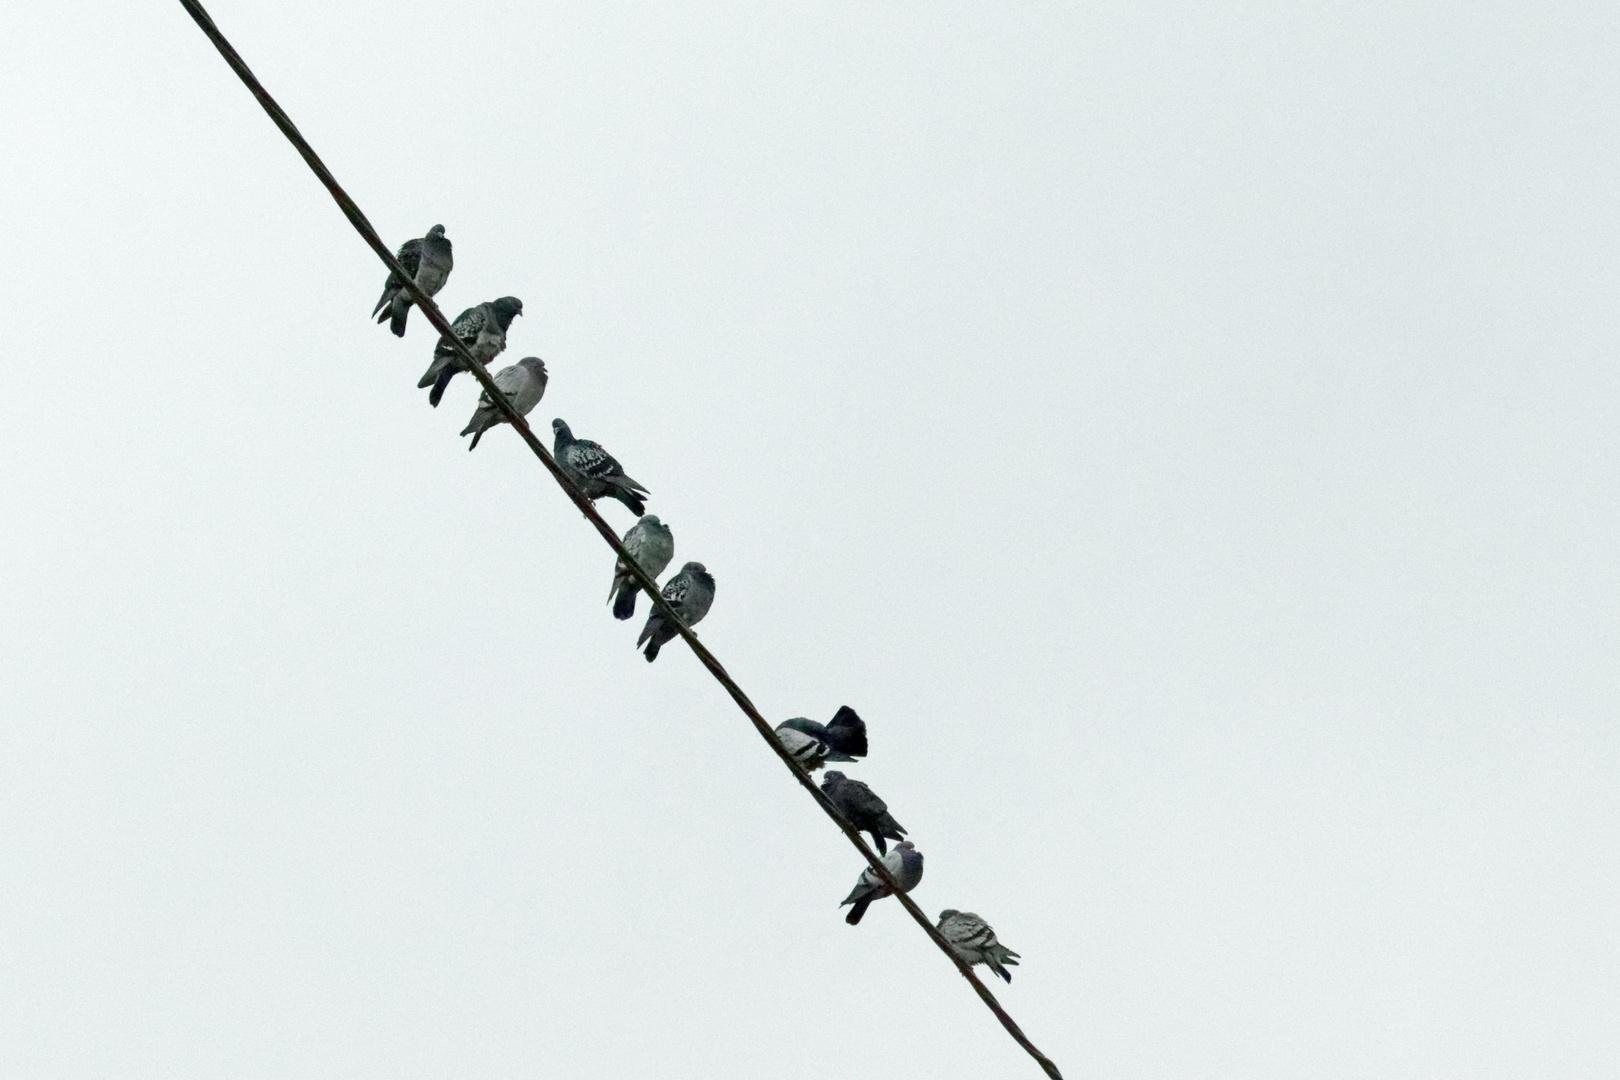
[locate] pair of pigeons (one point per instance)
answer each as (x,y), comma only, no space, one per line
(690,592)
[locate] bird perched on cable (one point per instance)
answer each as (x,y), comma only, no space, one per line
(594,471)
(523,384)
(428,261)
(482,330)
(971,938)
(862,809)
(651,545)
(810,743)
(904,864)
(690,593)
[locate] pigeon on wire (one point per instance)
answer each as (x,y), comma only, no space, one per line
(904,864)
(844,739)
(971,938)
(482,330)
(651,545)
(862,809)
(523,383)
(690,593)
(595,471)
(428,261)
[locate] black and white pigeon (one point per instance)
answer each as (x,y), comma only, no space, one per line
(862,809)
(971,938)
(690,593)
(651,545)
(523,383)
(482,330)
(428,261)
(904,864)
(595,471)
(844,737)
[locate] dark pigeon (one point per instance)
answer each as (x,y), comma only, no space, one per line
(428,261)
(594,471)
(690,593)
(904,864)
(651,545)
(482,330)
(523,384)
(971,938)
(862,809)
(844,737)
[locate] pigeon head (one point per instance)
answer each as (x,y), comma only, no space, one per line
(905,845)
(561,428)
(536,366)
(694,568)
(506,309)
(437,230)
(947,913)
(832,777)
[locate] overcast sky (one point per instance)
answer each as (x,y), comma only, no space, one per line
(1185,433)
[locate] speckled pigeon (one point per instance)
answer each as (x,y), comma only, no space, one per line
(971,938)
(594,471)
(690,593)
(428,261)
(844,737)
(651,545)
(904,864)
(482,330)
(524,384)
(862,809)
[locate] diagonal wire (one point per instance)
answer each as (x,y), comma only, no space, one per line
(521,425)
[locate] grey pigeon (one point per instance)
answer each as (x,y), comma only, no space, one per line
(904,864)
(844,737)
(524,384)
(651,545)
(428,261)
(595,471)
(482,330)
(862,809)
(971,938)
(690,593)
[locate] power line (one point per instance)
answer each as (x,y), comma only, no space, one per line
(521,426)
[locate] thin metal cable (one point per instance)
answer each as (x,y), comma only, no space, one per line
(521,425)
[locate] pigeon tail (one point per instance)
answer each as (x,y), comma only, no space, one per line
(401,308)
(388,294)
(878,840)
(440,383)
(630,499)
(625,605)
(859,909)
(479,434)
(847,733)
(652,649)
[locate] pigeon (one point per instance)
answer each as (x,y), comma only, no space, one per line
(690,593)
(862,809)
(594,471)
(971,938)
(428,261)
(482,330)
(651,545)
(904,864)
(844,737)
(523,383)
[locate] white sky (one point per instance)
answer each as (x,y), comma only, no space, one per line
(1186,434)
